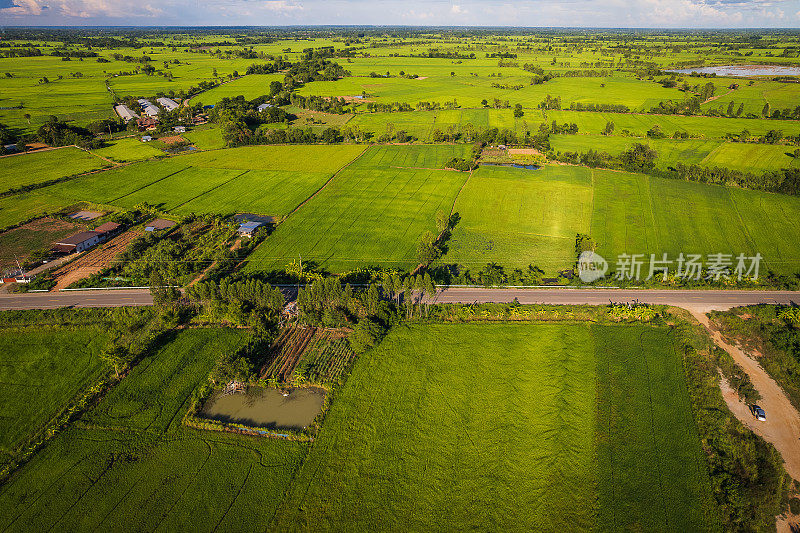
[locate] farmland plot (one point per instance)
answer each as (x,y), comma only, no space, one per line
(508,427)
(39,167)
(315,354)
(373,213)
(131,465)
(40,372)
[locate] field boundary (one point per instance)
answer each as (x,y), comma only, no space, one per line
(209,190)
(304,202)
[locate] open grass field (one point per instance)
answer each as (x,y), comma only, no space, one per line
(752,157)
(131,465)
(39,167)
(21,207)
(639,124)
(670,152)
(205,137)
(128,149)
(518,217)
(250,87)
(41,371)
(373,213)
(522,216)
(508,427)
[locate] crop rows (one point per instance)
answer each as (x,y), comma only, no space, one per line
(319,355)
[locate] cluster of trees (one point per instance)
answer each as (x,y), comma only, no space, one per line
(376,107)
(241,120)
(247,302)
(490,275)
(638,158)
(550,103)
(605,108)
(58,133)
(337,106)
(566,129)
(276,65)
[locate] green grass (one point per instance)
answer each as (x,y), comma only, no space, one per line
(755,158)
(508,427)
(670,152)
(520,217)
(15,209)
(250,87)
(38,167)
(205,137)
(131,465)
(128,149)
(373,213)
(316,158)
(41,371)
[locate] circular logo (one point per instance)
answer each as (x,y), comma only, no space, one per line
(591,266)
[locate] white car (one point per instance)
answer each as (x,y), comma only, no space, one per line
(759,413)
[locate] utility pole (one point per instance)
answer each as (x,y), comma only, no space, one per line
(301,273)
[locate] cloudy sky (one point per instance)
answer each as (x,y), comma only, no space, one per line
(585,13)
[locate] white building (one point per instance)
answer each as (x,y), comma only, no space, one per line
(262,107)
(167,103)
(148,108)
(125,112)
(78,242)
(179,129)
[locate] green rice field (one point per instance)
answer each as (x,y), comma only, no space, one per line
(41,371)
(373,212)
(508,427)
(38,167)
(130,464)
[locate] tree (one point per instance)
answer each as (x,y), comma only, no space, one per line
(609,129)
(27,117)
(730,111)
(114,355)
(365,335)
(442,221)
(765,110)
(740,110)
(427,250)
(484,102)
(518,112)
(639,158)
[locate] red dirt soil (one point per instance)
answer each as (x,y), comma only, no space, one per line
(93,261)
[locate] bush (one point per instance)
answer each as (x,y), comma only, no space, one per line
(366,334)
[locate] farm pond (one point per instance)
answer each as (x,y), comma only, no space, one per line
(743,70)
(266,407)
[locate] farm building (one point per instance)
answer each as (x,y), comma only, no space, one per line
(107,230)
(159,224)
(167,103)
(146,123)
(146,138)
(249,228)
(263,107)
(78,242)
(179,129)
(10,148)
(148,108)
(125,112)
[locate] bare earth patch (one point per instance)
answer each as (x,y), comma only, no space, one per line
(782,427)
(93,261)
(172,140)
(19,243)
(523,151)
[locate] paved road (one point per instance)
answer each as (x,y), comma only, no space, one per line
(698,300)
(99,298)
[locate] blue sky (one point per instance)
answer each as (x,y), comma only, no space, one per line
(534,13)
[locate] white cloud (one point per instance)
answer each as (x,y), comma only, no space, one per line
(82,8)
(458,10)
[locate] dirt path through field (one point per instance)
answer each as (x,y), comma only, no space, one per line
(782,427)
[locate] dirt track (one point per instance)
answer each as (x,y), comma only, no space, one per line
(782,427)
(93,261)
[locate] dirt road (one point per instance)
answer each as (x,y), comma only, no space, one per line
(782,427)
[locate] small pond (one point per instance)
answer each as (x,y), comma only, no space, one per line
(266,407)
(513,165)
(743,70)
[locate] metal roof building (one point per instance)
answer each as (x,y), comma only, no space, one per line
(148,108)
(159,224)
(125,112)
(78,242)
(167,103)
